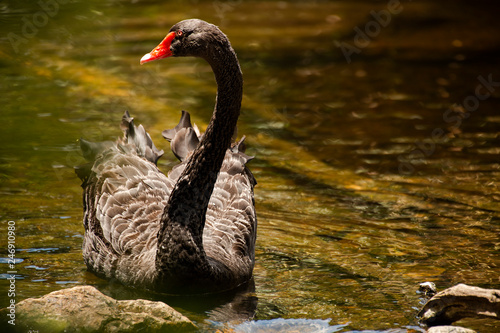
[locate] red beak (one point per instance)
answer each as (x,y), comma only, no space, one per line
(161,51)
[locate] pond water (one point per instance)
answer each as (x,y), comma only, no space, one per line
(375,129)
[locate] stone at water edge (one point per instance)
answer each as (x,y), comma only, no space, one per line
(85,309)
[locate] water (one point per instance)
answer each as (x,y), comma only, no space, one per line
(370,181)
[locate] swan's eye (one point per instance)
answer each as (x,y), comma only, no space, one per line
(179,33)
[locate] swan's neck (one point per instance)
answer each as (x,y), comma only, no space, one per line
(180,253)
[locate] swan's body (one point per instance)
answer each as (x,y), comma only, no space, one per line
(193,230)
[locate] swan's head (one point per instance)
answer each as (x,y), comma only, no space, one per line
(194,38)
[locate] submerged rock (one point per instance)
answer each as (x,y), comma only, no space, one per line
(282,325)
(449,329)
(85,309)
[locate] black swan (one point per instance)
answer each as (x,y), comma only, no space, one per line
(194,230)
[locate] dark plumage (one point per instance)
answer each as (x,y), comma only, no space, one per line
(193,230)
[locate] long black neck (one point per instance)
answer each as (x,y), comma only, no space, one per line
(180,251)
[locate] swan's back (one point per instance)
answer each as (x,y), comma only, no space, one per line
(231,223)
(125,195)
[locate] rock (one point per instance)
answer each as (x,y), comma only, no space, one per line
(428,289)
(85,309)
(461,301)
(281,325)
(449,329)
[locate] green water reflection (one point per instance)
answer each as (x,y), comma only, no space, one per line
(357,203)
